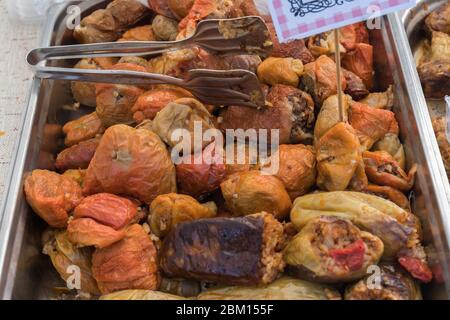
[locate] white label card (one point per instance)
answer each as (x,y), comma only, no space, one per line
(297,19)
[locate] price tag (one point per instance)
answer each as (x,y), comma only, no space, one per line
(297,19)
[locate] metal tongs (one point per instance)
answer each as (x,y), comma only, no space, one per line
(248,35)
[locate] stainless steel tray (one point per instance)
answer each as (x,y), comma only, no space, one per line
(413,20)
(25,273)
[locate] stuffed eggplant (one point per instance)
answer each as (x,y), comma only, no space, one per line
(225,250)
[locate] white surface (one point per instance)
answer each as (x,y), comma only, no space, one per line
(15,77)
(27,10)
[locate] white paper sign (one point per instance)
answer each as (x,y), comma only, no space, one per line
(297,19)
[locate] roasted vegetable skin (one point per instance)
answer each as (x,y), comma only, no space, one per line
(168,210)
(131,162)
(140,294)
(78,156)
(251,192)
(382,169)
(285,288)
(434,65)
(52,196)
(108,209)
(84,92)
(296,168)
(320,79)
(225,250)
(115,101)
(396,227)
(439,20)
(106,25)
(201,173)
(285,71)
(83,128)
(339,160)
(295,49)
(439,126)
(130,263)
(183,113)
(100,220)
(64,254)
(291,112)
(390,194)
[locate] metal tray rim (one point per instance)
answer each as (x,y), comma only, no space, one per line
(420,109)
(424,125)
(14,179)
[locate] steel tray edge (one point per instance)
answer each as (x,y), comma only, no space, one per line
(14,181)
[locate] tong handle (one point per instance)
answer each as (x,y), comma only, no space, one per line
(108,49)
(106,76)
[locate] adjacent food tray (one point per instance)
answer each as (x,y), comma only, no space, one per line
(27,274)
(414,20)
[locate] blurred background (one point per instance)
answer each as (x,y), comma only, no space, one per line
(16,39)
